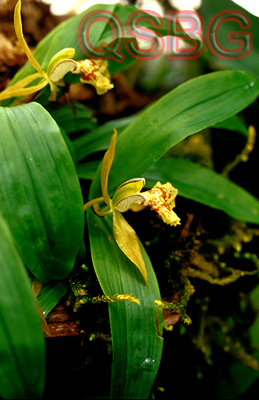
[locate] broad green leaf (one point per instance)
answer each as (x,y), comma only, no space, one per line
(73,118)
(87,170)
(50,295)
(40,196)
(205,186)
(196,104)
(68,143)
(233,124)
(22,347)
(209,9)
(100,137)
(136,347)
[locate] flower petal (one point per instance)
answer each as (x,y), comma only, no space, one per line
(126,202)
(95,72)
(161,198)
(20,37)
(61,69)
(16,91)
(128,188)
(106,166)
(65,54)
(127,241)
(9,91)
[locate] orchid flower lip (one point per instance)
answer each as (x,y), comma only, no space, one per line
(125,203)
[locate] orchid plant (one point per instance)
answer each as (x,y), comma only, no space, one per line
(42,237)
(160,198)
(93,72)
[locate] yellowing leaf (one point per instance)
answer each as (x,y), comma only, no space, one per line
(127,241)
(106,166)
(36,288)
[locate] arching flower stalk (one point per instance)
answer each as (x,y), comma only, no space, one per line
(160,198)
(94,72)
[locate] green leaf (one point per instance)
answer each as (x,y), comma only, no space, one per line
(69,144)
(248,63)
(196,104)
(73,118)
(22,347)
(136,347)
(50,295)
(233,124)
(100,137)
(40,196)
(205,186)
(87,170)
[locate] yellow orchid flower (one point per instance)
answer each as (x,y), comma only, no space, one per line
(160,198)
(93,72)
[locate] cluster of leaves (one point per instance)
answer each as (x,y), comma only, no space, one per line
(42,215)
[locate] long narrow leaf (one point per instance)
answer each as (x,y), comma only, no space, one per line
(100,137)
(233,124)
(196,104)
(22,348)
(207,187)
(136,346)
(249,63)
(73,118)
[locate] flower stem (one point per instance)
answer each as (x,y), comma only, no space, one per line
(92,202)
(99,212)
